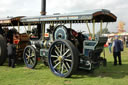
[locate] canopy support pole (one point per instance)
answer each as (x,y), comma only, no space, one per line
(18,26)
(29,27)
(101,23)
(25,27)
(70,24)
(93,30)
(90,34)
(106,25)
(43,30)
(12,25)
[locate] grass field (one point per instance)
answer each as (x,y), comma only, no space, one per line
(41,75)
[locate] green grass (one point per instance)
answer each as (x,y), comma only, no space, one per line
(41,75)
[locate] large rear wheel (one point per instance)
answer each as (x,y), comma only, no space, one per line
(63,58)
(30,57)
(3,50)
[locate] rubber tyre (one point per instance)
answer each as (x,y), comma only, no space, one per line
(74,57)
(3,50)
(33,58)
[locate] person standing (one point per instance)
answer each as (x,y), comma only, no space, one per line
(110,44)
(11,48)
(126,40)
(117,48)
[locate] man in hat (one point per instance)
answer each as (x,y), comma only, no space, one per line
(117,48)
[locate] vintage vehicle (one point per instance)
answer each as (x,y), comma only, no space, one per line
(20,40)
(64,49)
(60,47)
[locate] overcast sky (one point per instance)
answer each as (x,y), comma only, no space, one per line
(33,7)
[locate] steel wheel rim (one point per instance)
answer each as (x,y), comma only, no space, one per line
(60,58)
(29,57)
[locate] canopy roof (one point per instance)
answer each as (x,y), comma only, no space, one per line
(79,17)
(11,21)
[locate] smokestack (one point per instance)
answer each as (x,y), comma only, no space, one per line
(43,7)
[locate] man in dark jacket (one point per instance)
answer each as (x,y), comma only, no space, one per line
(11,48)
(1,31)
(117,48)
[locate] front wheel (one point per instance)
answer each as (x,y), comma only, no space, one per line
(63,58)
(30,57)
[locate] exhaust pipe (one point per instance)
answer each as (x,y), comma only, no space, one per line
(43,7)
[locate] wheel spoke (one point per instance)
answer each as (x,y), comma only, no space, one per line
(62,70)
(59,67)
(66,52)
(54,56)
(33,58)
(56,64)
(31,62)
(69,55)
(68,65)
(29,51)
(32,54)
(28,60)
(26,54)
(61,49)
(65,67)
(55,60)
(56,53)
(68,60)
(57,48)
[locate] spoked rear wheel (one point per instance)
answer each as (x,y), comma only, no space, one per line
(30,58)
(3,50)
(63,58)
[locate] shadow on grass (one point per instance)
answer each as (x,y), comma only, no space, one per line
(115,72)
(39,65)
(18,63)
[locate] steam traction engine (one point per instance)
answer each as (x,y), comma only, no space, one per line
(61,47)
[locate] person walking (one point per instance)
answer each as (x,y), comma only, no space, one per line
(117,48)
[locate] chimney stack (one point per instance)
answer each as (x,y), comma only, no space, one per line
(43,7)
